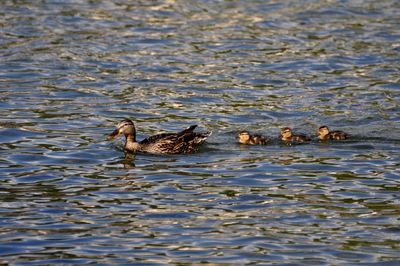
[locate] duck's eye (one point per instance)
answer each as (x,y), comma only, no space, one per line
(123,125)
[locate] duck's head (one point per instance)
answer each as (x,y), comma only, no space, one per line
(244,136)
(323,131)
(286,132)
(125,127)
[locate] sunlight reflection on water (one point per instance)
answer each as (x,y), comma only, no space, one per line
(70,71)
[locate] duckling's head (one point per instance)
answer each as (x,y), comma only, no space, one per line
(125,127)
(244,136)
(286,132)
(323,131)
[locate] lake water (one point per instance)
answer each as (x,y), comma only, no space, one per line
(70,70)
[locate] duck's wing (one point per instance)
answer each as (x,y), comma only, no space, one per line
(182,142)
(158,137)
(168,136)
(259,139)
(338,135)
(301,138)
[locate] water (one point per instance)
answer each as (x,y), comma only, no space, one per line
(70,70)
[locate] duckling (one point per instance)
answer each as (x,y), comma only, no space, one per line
(325,134)
(185,141)
(246,138)
(287,135)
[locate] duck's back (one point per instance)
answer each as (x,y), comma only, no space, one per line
(300,138)
(185,141)
(258,140)
(338,135)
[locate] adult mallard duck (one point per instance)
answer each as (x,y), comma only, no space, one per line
(287,136)
(325,134)
(246,138)
(185,141)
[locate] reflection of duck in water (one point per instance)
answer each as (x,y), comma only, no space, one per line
(287,135)
(185,141)
(325,134)
(246,138)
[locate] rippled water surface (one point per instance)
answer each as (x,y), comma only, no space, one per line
(70,70)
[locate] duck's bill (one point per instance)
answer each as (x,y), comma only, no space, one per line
(113,135)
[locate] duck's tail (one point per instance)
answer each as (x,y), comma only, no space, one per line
(189,129)
(201,137)
(194,137)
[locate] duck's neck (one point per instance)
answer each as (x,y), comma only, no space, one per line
(130,143)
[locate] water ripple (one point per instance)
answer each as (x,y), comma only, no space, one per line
(69,71)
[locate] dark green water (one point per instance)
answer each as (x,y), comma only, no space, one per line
(70,70)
